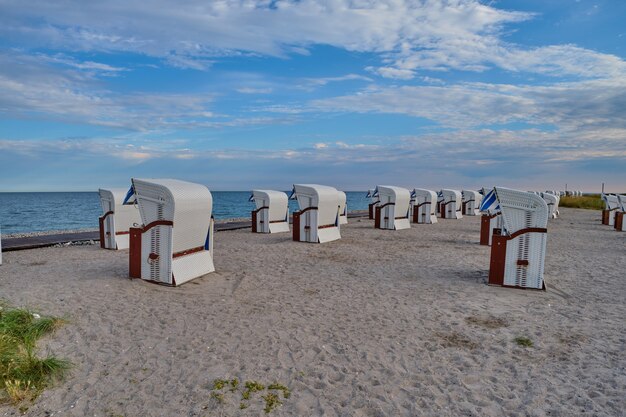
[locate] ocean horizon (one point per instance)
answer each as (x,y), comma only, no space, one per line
(25,212)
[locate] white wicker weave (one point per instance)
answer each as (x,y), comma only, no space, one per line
(117,218)
(525,253)
(272,213)
(452,201)
(553,203)
(394,207)
(319,207)
(471,201)
(611,204)
(174,254)
(424,206)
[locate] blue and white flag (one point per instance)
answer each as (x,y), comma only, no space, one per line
(490,202)
(130,198)
(292,196)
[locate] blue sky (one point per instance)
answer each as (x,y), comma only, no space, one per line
(246,94)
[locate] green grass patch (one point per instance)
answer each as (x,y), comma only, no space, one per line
(280,387)
(590,202)
(24,375)
(251,392)
(523,342)
(271,402)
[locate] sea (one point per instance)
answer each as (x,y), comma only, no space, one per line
(42,212)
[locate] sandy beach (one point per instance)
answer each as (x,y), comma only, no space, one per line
(379,323)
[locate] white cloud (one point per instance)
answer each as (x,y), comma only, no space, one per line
(590,104)
(411,35)
(250,90)
(526,158)
(326,80)
(391,72)
(33,87)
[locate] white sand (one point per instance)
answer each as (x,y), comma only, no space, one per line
(380,323)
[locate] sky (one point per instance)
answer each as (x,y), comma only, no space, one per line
(237,95)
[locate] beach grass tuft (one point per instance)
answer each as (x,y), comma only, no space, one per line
(280,387)
(247,389)
(218,396)
(271,402)
(523,341)
(24,375)
(590,202)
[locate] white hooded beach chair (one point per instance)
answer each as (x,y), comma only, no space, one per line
(518,249)
(424,206)
(272,211)
(317,220)
(553,203)
(117,218)
(490,218)
(439,206)
(393,210)
(451,206)
(611,205)
(619,223)
(343,208)
(175,242)
(371,207)
(471,202)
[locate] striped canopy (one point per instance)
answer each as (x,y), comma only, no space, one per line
(490,202)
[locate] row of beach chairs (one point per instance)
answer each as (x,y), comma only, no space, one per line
(168,227)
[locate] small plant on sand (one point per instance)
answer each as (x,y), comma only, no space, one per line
(218,396)
(220,383)
(254,386)
(23,375)
(271,402)
(280,387)
(234,383)
(523,342)
(247,389)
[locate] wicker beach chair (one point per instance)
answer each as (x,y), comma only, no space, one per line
(393,210)
(175,243)
(491,218)
(317,220)
(619,223)
(343,208)
(452,204)
(272,211)
(611,205)
(371,207)
(424,206)
(519,247)
(117,217)
(553,203)
(471,202)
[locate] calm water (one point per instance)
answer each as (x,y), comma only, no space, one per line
(37,212)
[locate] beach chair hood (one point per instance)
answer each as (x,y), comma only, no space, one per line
(272,211)
(178,225)
(117,218)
